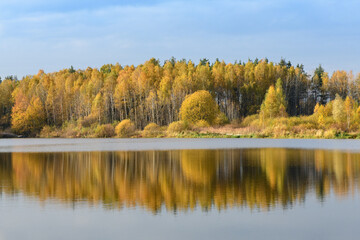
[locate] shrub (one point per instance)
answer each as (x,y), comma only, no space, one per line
(176,127)
(88,121)
(328,109)
(202,124)
(48,132)
(199,106)
(125,128)
(86,132)
(279,121)
(151,130)
(279,131)
(69,130)
(221,119)
(307,126)
(45,132)
(319,133)
(249,119)
(69,133)
(330,133)
(105,131)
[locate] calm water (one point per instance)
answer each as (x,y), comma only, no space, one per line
(60,189)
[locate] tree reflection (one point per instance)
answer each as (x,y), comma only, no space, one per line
(184,179)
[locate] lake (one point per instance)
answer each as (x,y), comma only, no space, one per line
(179,189)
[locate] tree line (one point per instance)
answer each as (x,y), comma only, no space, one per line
(154,92)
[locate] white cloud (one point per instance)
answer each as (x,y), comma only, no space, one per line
(231,30)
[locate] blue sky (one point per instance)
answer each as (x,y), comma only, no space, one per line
(52,35)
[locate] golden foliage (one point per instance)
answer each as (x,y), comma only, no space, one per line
(176,127)
(27,116)
(199,106)
(88,121)
(338,111)
(349,104)
(274,104)
(125,128)
(151,130)
(105,131)
(201,124)
(152,92)
(221,119)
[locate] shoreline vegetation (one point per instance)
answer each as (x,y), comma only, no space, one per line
(256,99)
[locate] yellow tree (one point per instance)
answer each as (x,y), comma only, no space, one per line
(165,91)
(6,101)
(36,117)
(269,107)
(316,108)
(181,85)
(123,90)
(97,109)
(338,111)
(262,77)
(199,106)
(18,116)
(274,104)
(357,115)
(280,98)
(338,84)
(28,117)
(319,112)
(349,110)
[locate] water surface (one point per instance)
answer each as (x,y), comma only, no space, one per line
(112,144)
(210,193)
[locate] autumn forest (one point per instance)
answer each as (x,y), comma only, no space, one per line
(178,97)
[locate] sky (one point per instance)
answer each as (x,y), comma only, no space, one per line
(53,35)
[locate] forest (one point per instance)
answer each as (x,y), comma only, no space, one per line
(180,98)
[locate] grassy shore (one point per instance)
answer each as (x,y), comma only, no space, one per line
(249,127)
(227,131)
(215,133)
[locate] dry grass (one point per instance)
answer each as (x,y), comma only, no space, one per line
(175,128)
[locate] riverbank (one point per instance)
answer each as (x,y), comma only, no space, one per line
(247,132)
(303,127)
(9,135)
(227,131)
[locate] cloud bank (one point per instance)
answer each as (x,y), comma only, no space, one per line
(51,36)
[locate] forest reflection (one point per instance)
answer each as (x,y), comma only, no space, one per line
(182,180)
